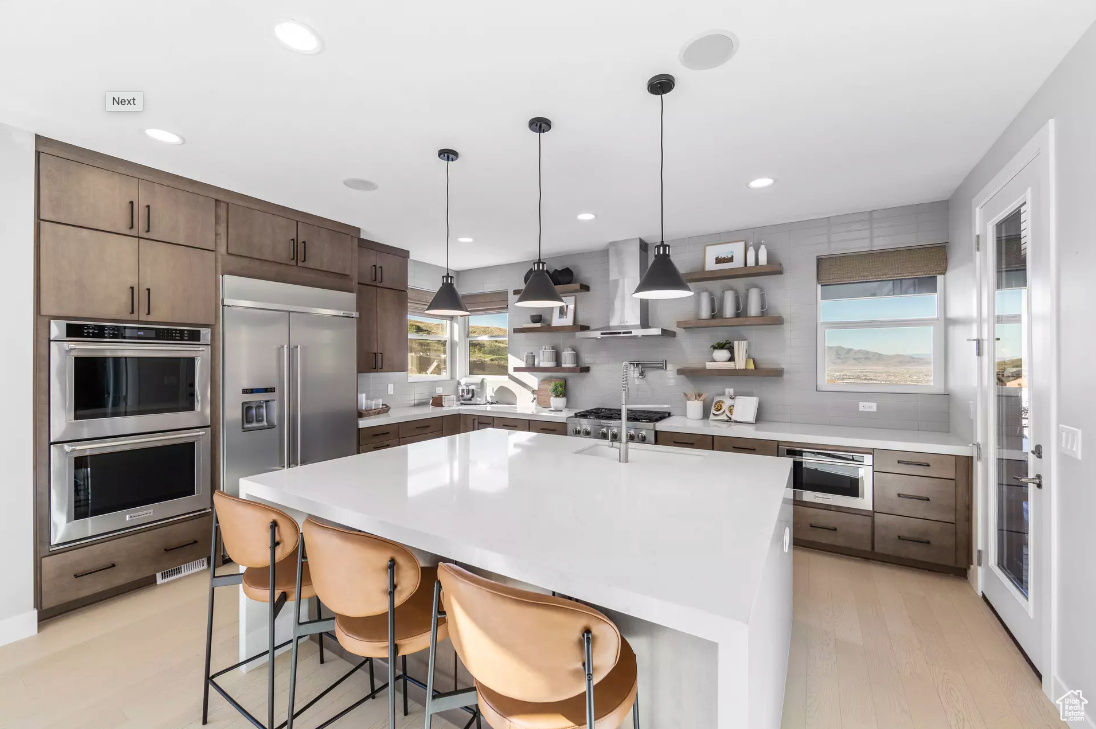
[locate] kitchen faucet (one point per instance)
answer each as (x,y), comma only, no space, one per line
(637,371)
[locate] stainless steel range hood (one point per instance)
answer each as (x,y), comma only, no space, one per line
(627,314)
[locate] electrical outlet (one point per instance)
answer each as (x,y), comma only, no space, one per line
(867,407)
(1069,440)
(437,390)
(391,389)
(728,391)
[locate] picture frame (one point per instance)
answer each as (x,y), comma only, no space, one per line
(564,316)
(718,256)
(722,407)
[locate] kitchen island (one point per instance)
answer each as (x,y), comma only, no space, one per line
(688,551)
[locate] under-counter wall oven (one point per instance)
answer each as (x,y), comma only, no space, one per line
(129,426)
(840,478)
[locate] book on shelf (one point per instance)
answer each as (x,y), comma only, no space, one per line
(720,365)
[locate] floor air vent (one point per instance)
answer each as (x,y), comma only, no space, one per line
(182,570)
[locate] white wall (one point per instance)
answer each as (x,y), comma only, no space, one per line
(1068,97)
(17,615)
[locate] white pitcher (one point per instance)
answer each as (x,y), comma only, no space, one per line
(705,305)
(756,302)
(732,307)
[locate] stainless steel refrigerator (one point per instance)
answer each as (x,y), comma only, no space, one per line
(288,377)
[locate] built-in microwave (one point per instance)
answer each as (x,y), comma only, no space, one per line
(119,379)
(841,478)
(110,484)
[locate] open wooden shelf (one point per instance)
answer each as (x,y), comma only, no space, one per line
(571,288)
(550,330)
(702,371)
(772,269)
(738,321)
(554,370)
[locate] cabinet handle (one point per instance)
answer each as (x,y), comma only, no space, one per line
(110,566)
(304,251)
(914,463)
(915,497)
(820,526)
(382,274)
(375,361)
(911,539)
(422,427)
(132,294)
(292,249)
(131,215)
(148,218)
(382,446)
(191,543)
(148,306)
(683,442)
(743,448)
(383,432)
(374,273)
(382,362)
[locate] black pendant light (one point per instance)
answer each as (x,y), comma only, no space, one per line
(447,301)
(539,291)
(662,280)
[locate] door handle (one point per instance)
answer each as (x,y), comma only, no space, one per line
(298,347)
(292,249)
(148,307)
(375,360)
(304,251)
(131,215)
(382,361)
(1037,479)
(382,274)
(285,398)
(920,464)
(915,497)
(110,566)
(132,292)
(191,543)
(911,539)
(819,526)
(148,218)
(374,273)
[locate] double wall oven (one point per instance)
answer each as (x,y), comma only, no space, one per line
(129,426)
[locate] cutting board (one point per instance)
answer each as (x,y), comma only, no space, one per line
(544,391)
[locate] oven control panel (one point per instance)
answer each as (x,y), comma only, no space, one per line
(95,331)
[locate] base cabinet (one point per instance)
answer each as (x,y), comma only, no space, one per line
(549,428)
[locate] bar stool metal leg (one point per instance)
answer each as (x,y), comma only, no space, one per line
(391,644)
(270,632)
(403,670)
(209,624)
(588,645)
(635,712)
(319,616)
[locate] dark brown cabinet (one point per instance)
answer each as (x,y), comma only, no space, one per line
(383,269)
(177,284)
(543,426)
(468,423)
(683,440)
(90,197)
(382,330)
(752,446)
(519,424)
(258,234)
(323,249)
(169,215)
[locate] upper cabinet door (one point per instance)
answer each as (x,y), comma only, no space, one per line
(79,194)
(368,357)
(178,285)
(391,271)
(391,330)
(323,249)
(176,216)
(256,234)
(87,273)
(367,266)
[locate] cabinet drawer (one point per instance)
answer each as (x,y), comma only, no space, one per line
(378,434)
(902,536)
(543,426)
(746,445)
(420,427)
(420,438)
(378,446)
(915,464)
(833,527)
(684,440)
(512,423)
(97,567)
(482,423)
(917,496)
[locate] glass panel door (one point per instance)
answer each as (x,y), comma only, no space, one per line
(1011,350)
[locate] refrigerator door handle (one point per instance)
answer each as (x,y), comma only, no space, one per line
(285,398)
(298,347)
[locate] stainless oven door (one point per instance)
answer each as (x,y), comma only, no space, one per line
(103,486)
(831,477)
(99,390)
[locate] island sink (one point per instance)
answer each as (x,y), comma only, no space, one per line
(641,455)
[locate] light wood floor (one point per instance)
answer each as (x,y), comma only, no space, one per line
(873,646)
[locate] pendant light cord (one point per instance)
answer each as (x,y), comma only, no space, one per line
(661,168)
(447,217)
(540,195)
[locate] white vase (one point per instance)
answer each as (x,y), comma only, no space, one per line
(694,409)
(721,355)
(762,255)
(558,403)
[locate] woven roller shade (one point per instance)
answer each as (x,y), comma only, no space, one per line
(418,300)
(883,265)
(489,301)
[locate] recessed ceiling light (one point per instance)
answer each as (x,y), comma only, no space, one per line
(709,50)
(357,183)
(586,216)
(298,37)
(761,182)
(161,135)
(465,240)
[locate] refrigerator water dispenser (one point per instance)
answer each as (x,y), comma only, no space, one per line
(258,414)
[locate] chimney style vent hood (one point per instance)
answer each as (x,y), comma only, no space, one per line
(627,314)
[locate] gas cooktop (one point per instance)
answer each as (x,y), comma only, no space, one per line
(634,416)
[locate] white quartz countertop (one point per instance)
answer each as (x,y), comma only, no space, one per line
(678,537)
(418,412)
(884,438)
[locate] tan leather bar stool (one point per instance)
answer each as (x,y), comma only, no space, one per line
(540,662)
(264,541)
(380,595)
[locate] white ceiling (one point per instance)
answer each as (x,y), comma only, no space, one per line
(849,104)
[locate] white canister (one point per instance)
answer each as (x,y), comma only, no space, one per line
(694,409)
(547,356)
(530,359)
(751,256)
(731,305)
(570,357)
(756,303)
(705,305)
(763,255)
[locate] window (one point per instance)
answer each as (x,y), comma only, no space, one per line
(488,346)
(427,347)
(882,336)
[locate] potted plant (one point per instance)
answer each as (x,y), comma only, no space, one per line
(559,395)
(721,351)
